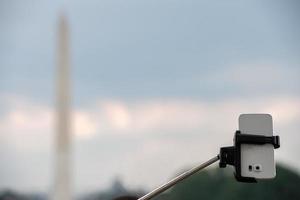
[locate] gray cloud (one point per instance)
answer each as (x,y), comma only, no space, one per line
(143,142)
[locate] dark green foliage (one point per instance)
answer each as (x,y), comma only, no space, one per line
(217,184)
(212,184)
(116,190)
(13,195)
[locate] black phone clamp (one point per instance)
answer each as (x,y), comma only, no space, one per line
(232,155)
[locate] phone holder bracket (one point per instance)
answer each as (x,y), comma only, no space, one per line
(232,155)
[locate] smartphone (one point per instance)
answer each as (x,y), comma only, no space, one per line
(257,161)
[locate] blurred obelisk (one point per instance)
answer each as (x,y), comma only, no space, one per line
(62,154)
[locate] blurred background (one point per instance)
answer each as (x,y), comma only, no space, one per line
(156,86)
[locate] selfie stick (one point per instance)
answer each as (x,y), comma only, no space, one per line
(181,177)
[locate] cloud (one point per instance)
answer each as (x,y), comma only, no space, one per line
(84,124)
(22,120)
(122,117)
(263,78)
(130,135)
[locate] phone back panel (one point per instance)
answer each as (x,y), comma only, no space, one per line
(257,161)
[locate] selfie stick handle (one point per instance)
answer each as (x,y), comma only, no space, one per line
(181,177)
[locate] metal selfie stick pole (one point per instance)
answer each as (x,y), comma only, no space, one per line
(179,178)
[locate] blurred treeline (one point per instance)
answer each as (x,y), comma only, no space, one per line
(219,184)
(212,184)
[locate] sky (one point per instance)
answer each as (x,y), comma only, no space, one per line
(157,85)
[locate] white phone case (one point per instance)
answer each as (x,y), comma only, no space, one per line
(257,161)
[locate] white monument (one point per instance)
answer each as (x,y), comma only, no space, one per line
(62,173)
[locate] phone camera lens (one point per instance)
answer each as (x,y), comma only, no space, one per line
(250,168)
